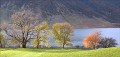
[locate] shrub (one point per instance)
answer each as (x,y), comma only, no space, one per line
(107,42)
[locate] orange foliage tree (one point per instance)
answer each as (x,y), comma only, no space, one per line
(92,40)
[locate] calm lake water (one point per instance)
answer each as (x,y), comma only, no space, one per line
(80,34)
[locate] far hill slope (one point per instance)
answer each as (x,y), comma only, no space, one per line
(79,13)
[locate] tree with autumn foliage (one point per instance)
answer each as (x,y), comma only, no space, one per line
(62,33)
(92,40)
(42,32)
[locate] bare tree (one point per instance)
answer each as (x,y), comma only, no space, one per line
(21,27)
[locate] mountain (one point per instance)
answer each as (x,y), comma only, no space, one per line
(79,13)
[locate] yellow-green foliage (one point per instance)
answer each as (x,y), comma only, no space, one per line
(42,33)
(1,40)
(1,36)
(62,33)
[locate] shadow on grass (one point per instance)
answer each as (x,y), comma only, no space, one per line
(47,50)
(5,49)
(52,50)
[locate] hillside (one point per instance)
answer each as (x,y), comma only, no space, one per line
(105,52)
(79,13)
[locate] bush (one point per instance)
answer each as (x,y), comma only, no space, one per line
(107,42)
(77,46)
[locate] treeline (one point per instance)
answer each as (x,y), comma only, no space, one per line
(95,40)
(26,25)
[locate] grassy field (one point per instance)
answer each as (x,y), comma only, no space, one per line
(20,52)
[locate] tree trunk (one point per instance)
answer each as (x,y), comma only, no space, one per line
(0,44)
(64,43)
(94,47)
(24,45)
(4,44)
(63,46)
(38,43)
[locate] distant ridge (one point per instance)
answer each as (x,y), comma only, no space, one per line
(79,13)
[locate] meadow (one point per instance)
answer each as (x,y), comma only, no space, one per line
(57,52)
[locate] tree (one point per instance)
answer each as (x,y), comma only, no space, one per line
(42,33)
(107,42)
(22,25)
(92,40)
(1,40)
(0,28)
(62,33)
(13,41)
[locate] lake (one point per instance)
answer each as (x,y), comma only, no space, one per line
(80,34)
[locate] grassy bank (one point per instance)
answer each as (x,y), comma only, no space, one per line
(20,52)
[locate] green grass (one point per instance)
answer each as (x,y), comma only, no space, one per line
(20,52)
